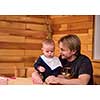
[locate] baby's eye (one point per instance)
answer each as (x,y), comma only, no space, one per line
(49,51)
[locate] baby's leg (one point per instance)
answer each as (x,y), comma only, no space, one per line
(36,78)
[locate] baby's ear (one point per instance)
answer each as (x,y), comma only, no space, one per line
(41,48)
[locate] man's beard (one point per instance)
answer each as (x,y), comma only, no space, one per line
(64,57)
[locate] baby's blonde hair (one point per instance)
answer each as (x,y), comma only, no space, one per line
(48,42)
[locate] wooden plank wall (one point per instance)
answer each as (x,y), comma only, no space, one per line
(74,24)
(21,36)
(81,25)
(20,41)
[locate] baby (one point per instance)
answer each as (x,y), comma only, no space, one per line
(47,64)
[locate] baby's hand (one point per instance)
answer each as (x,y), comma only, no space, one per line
(41,69)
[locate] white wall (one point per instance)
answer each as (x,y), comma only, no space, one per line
(97,38)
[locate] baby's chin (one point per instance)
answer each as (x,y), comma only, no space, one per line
(49,56)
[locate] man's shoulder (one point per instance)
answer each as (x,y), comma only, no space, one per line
(83,58)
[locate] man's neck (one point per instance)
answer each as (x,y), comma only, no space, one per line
(72,58)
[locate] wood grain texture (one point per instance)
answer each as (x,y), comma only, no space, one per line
(21,37)
(20,41)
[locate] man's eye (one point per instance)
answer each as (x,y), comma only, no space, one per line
(62,49)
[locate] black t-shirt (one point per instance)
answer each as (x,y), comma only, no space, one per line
(81,65)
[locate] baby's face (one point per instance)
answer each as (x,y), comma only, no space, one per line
(48,50)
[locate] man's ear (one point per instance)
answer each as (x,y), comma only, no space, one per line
(74,51)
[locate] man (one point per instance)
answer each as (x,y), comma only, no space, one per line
(80,65)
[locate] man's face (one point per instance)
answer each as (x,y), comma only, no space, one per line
(65,52)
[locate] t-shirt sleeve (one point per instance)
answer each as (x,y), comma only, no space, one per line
(86,67)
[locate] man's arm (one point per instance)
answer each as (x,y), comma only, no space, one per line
(81,80)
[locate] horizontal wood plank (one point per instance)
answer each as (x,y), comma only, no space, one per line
(12,39)
(24,18)
(20,46)
(73,26)
(70,19)
(77,31)
(24,33)
(36,27)
(9,52)
(12,25)
(34,53)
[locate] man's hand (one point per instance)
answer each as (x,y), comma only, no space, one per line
(51,80)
